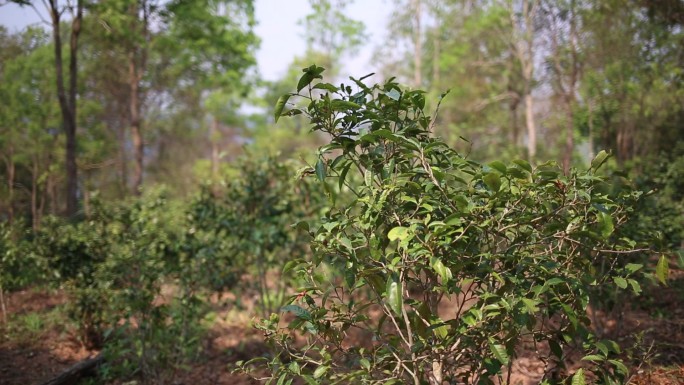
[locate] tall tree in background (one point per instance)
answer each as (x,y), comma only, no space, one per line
(523,15)
(563,28)
(139,39)
(416,6)
(67,95)
(216,62)
(29,118)
(184,49)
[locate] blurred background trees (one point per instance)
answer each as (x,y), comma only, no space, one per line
(168,92)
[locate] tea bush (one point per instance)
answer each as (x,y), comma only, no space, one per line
(450,265)
(245,229)
(114,265)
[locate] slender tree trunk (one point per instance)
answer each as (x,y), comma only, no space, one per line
(531,128)
(67,103)
(523,47)
(41,207)
(123,166)
(513,113)
(34,195)
(86,197)
(569,140)
(51,191)
(570,92)
(136,132)
(136,69)
(417,44)
(514,102)
(11,171)
(592,150)
(2,305)
(435,58)
(214,137)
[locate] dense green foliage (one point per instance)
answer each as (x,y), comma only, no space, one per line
(450,265)
(139,272)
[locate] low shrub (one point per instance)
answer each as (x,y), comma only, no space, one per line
(450,266)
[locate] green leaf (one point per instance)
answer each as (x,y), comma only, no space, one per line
(525,165)
(599,159)
(320,170)
(633,267)
(531,305)
(298,311)
(344,241)
(343,174)
(440,269)
(281,380)
(280,104)
(663,270)
(368,178)
(578,378)
(493,181)
(302,225)
(341,105)
(365,363)
(310,74)
(593,357)
(438,327)
(294,368)
(394,294)
(499,351)
(498,166)
(620,282)
(399,233)
(326,86)
(606,223)
(556,349)
(620,367)
(309,380)
(320,371)
(393,94)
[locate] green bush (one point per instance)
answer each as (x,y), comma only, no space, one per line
(450,265)
(244,227)
(20,265)
(115,265)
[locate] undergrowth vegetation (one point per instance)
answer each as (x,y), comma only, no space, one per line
(138,273)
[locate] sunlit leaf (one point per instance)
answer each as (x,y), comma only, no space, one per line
(399,233)
(663,270)
(440,269)
(578,377)
(499,351)
(599,159)
(606,223)
(320,371)
(393,290)
(620,282)
(393,94)
(280,105)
